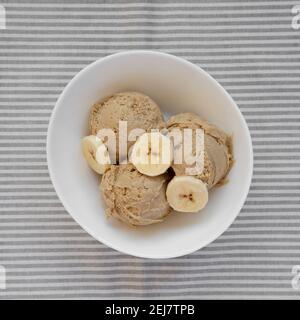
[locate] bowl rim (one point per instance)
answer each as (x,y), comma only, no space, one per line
(221,228)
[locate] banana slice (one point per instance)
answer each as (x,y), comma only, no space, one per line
(152,154)
(95,153)
(187,194)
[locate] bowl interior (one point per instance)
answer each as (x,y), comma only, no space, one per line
(177,86)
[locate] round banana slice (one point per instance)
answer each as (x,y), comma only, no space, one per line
(95,153)
(152,154)
(187,194)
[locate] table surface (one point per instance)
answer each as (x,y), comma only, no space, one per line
(250,47)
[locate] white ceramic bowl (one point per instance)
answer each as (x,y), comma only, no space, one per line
(177,86)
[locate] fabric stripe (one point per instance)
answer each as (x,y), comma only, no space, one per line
(249,47)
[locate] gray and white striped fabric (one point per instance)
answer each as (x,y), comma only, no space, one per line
(250,47)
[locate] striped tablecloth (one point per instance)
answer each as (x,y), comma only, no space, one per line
(250,47)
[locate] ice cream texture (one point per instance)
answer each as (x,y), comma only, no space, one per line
(217,148)
(134,198)
(139,110)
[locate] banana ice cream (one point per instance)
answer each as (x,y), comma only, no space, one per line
(217,148)
(137,109)
(144,191)
(134,198)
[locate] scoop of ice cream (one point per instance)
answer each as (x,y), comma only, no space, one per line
(134,198)
(137,109)
(217,148)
